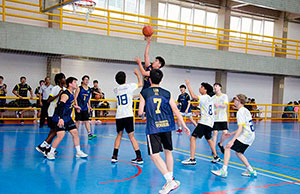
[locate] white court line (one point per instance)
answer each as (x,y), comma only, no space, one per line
(270,176)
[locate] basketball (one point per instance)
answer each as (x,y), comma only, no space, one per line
(147,31)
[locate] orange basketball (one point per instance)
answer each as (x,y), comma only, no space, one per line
(147,31)
(97,96)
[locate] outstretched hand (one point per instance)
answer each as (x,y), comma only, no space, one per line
(186,130)
(187,82)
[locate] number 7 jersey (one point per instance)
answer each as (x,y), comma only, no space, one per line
(124,94)
(159,114)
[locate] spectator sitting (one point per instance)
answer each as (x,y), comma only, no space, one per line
(296,109)
(254,108)
(288,111)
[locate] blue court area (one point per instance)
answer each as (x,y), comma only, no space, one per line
(275,154)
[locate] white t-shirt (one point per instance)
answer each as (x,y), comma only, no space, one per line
(124,94)
(244,118)
(45,91)
(207,110)
(55,90)
(220,113)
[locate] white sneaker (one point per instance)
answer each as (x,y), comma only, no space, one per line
(170,186)
(189,162)
(250,174)
(81,154)
(220,173)
(51,156)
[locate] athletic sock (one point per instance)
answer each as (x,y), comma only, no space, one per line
(224,168)
(44,144)
(171,174)
(48,146)
(77,148)
(138,154)
(52,150)
(168,177)
(250,168)
(116,152)
(179,127)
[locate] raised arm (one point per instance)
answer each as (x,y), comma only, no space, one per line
(141,106)
(179,116)
(187,82)
(136,72)
(142,70)
(146,55)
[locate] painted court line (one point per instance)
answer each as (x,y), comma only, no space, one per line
(272,153)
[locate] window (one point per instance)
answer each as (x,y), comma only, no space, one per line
(212,21)
(162,13)
(131,6)
(246,26)
(268,30)
(235,24)
(173,14)
(186,17)
(199,19)
(257,29)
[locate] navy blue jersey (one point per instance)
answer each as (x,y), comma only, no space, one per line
(83,98)
(22,89)
(67,109)
(147,83)
(2,93)
(183,100)
(158,110)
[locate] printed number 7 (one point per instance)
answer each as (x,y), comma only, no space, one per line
(158,102)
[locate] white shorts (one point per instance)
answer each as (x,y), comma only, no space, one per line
(186,114)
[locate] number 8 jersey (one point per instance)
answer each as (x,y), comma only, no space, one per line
(124,94)
(207,110)
(159,114)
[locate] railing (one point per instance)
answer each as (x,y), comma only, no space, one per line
(116,23)
(263,112)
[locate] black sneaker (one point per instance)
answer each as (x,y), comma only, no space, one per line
(221,148)
(114,159)
(137,161)
(216,159)
(41,150)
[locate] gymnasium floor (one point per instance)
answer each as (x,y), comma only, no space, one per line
(275,154)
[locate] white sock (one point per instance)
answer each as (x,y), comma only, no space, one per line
(172,175)
(52,150)
(77,148)
(250,168)
(44,144)
(179,127)
(168,177)
(225,168)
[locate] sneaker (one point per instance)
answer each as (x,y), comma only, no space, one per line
(48,150)
(216,159)
(189,162)
(51,156)
(81,154)
(42,150)
(220,173)
(221,148)
(137,161)
(179,131)
(170,186)
(98,121)
(91,136)
(114,159)
(250,174)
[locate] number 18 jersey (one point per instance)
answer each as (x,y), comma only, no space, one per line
(124,94)
(158,110)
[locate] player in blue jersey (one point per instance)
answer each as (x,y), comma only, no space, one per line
(83,100)
(157,64)
(159,108)
(63,121)
(184,106)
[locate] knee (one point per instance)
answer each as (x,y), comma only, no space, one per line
(154,157)
(238,154)
(192,139)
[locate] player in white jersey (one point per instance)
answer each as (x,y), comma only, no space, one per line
(124,116)
(60,81)
(242,139)
(220,102)
(206,122)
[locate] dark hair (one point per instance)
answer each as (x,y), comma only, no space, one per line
(156,76)
(41,81)
(161,61)
(59,77)
(218,84)
(95,81)
(209,88)
(182,86)
(23,77)
(296,103)
(1,77)
(120,77)
(47,77)
(290,103)
(85,76)
(70,80)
